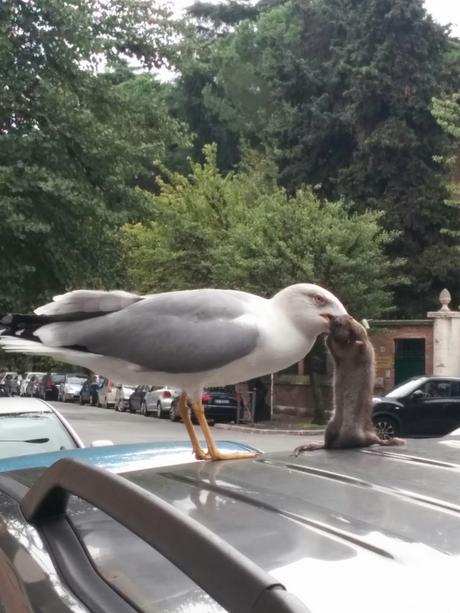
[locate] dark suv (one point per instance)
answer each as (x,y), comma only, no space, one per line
(49,385)
(425,406)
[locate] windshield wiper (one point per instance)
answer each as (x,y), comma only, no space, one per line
(30,440)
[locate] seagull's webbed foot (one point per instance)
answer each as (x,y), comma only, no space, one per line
(213,453)
(231,455)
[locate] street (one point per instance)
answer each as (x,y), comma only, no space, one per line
(93,423)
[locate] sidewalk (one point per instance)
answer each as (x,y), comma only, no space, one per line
(280,424)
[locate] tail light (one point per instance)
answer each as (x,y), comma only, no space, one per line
(109,386)
(206,397)
(238,398)
(49,384)
(166,394)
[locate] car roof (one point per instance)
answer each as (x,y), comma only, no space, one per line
(119,458)
(18,404)
(329,525)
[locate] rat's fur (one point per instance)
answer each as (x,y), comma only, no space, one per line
(354,367)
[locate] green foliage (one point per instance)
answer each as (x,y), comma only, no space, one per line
(340,91)
(447,113)
(240,230)
(75,143)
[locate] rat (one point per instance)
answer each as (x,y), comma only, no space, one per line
(354,371)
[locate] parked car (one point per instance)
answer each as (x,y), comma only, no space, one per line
(9,382)
(163,532)
(107,393)
(49,385)
(428,406)
(137,399)
(89,391)
(221,404)
(70,388)
(158,400)
(122,396)
(33,386)
(26,379)
(30,425)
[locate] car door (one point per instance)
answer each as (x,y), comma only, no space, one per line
(135,400)
(451,411)
(428,408)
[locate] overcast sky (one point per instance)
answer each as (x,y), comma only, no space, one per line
(445,11)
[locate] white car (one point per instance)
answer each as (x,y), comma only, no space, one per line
(70,388)
(9,381)
(158,400)
(31,425)
(122,396)
(26,380)
(107,393)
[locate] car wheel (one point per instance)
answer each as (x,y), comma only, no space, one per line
(173,412)
(159,411)
(386,426)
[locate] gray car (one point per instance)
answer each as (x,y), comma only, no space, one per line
(158,400)
(154,530)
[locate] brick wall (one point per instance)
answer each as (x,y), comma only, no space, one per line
(294,391)
(383,340)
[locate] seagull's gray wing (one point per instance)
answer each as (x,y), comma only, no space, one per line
(178,332)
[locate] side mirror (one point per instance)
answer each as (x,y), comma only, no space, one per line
(418,394)
(101,443)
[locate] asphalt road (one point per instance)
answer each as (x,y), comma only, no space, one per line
(93,423)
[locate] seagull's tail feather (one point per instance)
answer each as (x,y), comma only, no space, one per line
(12,344)
(70,307)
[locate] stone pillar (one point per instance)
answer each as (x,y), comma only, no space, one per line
(446,338)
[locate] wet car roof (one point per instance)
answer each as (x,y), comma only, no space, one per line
(344,530)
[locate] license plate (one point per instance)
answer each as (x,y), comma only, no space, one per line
(221,401)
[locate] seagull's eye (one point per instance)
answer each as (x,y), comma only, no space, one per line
(319,300)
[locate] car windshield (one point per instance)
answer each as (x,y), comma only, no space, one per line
(25,433)
(405,388)
(75,380)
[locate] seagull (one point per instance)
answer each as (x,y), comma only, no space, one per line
(188,339)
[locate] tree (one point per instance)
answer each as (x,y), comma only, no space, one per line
(75,142)
(242,231)
(341,91)
(447,113)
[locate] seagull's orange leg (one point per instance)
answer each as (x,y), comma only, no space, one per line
(200,454)
(213,452)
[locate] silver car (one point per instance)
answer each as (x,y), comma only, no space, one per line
(122,396)
(153,529)
(70,388)
(24,389)
(158,400)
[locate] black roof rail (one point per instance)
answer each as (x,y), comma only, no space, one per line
(230,578)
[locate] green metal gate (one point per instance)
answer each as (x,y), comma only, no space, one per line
(409,358)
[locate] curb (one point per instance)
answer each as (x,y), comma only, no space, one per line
(269,430)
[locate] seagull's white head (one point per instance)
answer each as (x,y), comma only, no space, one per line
(310,307)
